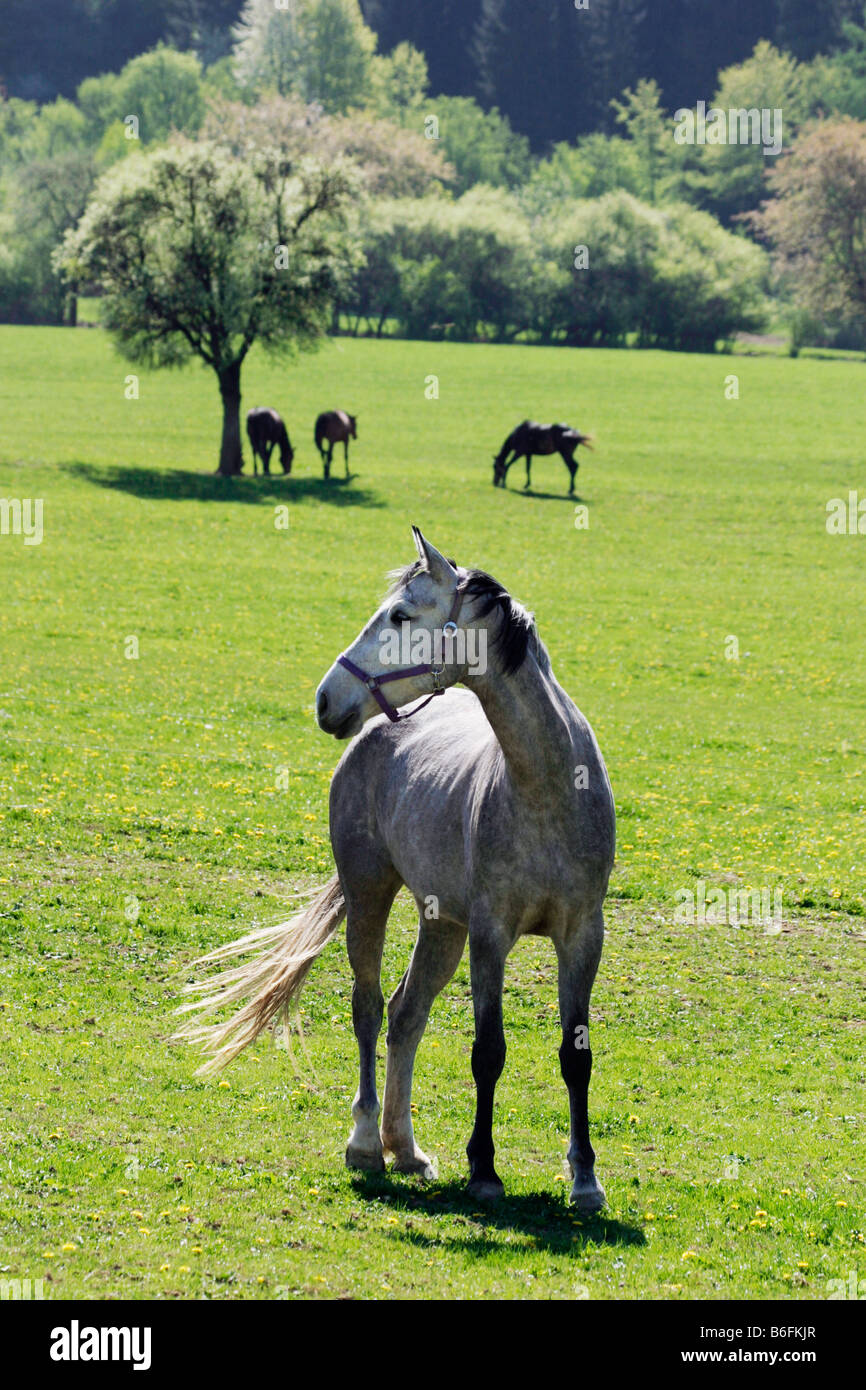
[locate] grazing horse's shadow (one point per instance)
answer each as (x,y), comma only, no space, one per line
(543,1217)
(179,485)
(547,496)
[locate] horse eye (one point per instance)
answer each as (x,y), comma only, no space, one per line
(399,615)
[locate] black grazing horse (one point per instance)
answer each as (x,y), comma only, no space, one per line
(265,429)
(531,438)
(334,427)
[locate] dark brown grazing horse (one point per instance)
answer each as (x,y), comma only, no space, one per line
(335,427)
(265,429)
(531,438)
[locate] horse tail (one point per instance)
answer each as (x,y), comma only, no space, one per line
(320,432)
(265,985)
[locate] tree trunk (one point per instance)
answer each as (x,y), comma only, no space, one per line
(231,453)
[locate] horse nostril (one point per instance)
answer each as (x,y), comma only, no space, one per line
(322,704)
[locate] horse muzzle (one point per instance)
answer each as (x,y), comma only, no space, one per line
(339,725)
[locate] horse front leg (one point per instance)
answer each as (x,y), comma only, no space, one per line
(327,456)
(578,952)
(266,457)
(435,958)
(487,954)
(346,455)
(528,482)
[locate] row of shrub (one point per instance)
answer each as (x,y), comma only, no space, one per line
(596,273)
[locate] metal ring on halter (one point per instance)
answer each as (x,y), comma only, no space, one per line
(449,630)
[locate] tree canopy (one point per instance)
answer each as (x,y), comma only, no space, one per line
(817,219)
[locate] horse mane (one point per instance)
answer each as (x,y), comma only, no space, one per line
(516,625)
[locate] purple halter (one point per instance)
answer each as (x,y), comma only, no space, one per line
(374,683)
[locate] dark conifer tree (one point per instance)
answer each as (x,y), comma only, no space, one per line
(442,30)
(808,27)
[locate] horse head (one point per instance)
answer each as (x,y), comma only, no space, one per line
(287,454)
(403,653)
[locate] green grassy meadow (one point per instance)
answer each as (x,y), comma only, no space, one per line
(153,806)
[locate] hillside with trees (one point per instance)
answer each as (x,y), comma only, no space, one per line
(514,161)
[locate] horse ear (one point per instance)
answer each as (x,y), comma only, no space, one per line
(440,568)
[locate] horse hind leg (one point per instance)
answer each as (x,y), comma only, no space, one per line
(435,958)
(578,953)
(366,920)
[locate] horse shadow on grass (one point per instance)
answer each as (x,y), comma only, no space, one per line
(548,496)
(543,1218)
(179,485)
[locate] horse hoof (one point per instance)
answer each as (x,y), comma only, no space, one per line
(486,1189)
(419,1166)
(588,1196)
(368,1160)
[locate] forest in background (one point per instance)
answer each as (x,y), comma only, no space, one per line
(552,78)
(552,131)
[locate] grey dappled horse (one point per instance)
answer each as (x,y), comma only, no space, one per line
(494,805)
